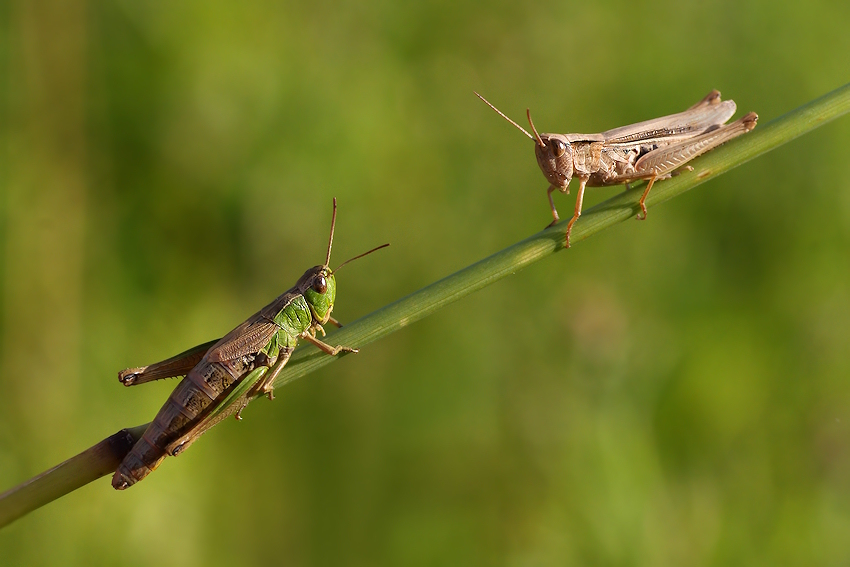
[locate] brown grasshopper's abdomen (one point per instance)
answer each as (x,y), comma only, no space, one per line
(190,400)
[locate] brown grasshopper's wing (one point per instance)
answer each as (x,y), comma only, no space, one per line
(709,112)
(572,138)
(666,159)
(252,335)
(174,367)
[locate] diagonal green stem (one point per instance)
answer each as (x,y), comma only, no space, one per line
(606,214)
(104,457)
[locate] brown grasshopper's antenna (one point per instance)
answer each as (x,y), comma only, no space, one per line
(521,129)
(331,240)
(361,255)
(533,129)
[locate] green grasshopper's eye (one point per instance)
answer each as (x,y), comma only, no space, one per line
(558,147)
(320,285)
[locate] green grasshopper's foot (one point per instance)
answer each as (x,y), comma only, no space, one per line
(339,348)
(129,376)
(326,348)
(238,415)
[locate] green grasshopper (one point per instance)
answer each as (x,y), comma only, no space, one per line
(223,376)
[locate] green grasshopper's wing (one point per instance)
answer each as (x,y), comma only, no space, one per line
(248,338)
(252,335)
(174,367)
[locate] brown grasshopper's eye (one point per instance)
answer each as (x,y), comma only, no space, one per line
(558,147)
(320,285)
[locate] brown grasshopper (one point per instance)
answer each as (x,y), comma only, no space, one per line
(652,150)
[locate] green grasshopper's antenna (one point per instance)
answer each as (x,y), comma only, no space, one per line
(361,255)
(331,243)
(331,239)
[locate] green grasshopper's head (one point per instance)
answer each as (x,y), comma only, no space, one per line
(318,284)
(320,292)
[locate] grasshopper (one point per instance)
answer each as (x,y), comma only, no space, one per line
(651,150)
(223,376)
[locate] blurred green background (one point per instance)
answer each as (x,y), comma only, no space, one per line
(673,392)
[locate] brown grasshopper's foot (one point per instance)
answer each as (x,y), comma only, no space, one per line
(643,197)
(570,229)
(555,216)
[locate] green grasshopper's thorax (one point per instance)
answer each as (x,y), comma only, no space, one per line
(293,320)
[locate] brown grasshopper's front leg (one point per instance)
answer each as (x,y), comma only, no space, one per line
(555,216)
(582,182)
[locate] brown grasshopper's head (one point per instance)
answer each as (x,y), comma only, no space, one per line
(318,284)
(555,157)
(554,153)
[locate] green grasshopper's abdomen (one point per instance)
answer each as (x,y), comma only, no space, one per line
(186,405)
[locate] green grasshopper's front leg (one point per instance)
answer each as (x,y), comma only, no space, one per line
(326,348)
(266,385)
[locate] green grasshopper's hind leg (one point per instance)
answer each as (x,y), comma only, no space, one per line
(266,385)
(174,367)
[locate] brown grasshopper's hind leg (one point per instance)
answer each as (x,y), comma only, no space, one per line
(579,199)
(643,197)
